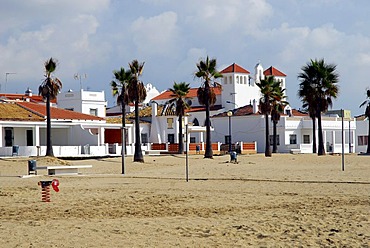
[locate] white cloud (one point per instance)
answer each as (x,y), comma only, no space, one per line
(156,35)
(235,16)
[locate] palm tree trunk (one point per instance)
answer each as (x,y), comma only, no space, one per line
(274,145)
(267,138)
(49,147)
(314,135)
(321,140)
(138,156)
(208,152)
(123,134)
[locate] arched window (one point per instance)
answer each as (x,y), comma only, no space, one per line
(195,122)
(225,80)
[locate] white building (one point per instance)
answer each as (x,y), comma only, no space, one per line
(294,131)
(86,102)
(240,94)
(362,127)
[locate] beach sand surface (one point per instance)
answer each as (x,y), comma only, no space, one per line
(287,200)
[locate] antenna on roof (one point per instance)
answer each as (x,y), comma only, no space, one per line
(78,76)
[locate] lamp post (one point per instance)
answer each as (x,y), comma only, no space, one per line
(229,114)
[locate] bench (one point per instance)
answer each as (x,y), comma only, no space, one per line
(155,152)
(62,169)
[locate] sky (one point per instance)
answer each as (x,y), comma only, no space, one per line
(91,38)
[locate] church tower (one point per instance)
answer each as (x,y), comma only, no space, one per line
(238,88)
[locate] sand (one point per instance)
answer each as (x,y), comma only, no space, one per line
(285,201)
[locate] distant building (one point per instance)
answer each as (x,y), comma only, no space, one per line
(87,102)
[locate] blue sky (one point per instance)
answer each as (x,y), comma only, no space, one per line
(94,37)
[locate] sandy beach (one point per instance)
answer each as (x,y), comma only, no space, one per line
(284,201)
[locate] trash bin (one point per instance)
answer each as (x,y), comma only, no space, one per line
(233,157)
(15,150)
(32,167)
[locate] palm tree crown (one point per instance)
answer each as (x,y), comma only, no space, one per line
(51,85)
(119,85)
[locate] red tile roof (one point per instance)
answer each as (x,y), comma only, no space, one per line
(235,68)
(13,112)
(248,110)
(272,71)
(192,94)
(202,108)
(33,98)
(57,113)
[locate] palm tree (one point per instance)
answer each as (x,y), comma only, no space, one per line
(49,90)
(307,93)
(278,104)
(206,96)
(179,92)
(268,87)
(136,94)
(367,114)
(319,85)
(119,89)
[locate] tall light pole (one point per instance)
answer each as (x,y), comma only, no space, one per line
(229,114)
(6,78)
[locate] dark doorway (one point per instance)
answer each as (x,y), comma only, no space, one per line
(29,134)
(9,136)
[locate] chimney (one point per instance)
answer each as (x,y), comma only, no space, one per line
(154,108)
(255,107)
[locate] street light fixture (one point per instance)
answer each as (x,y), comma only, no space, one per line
(229,114)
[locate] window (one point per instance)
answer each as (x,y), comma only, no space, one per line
(237,79)
(272,140)
(195,122)
(225,80)
(94,111)
(144,138)
(192,139)
(292,139)
(306,139)
(362,140)
(171,138)
(71,109)
(170,123)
